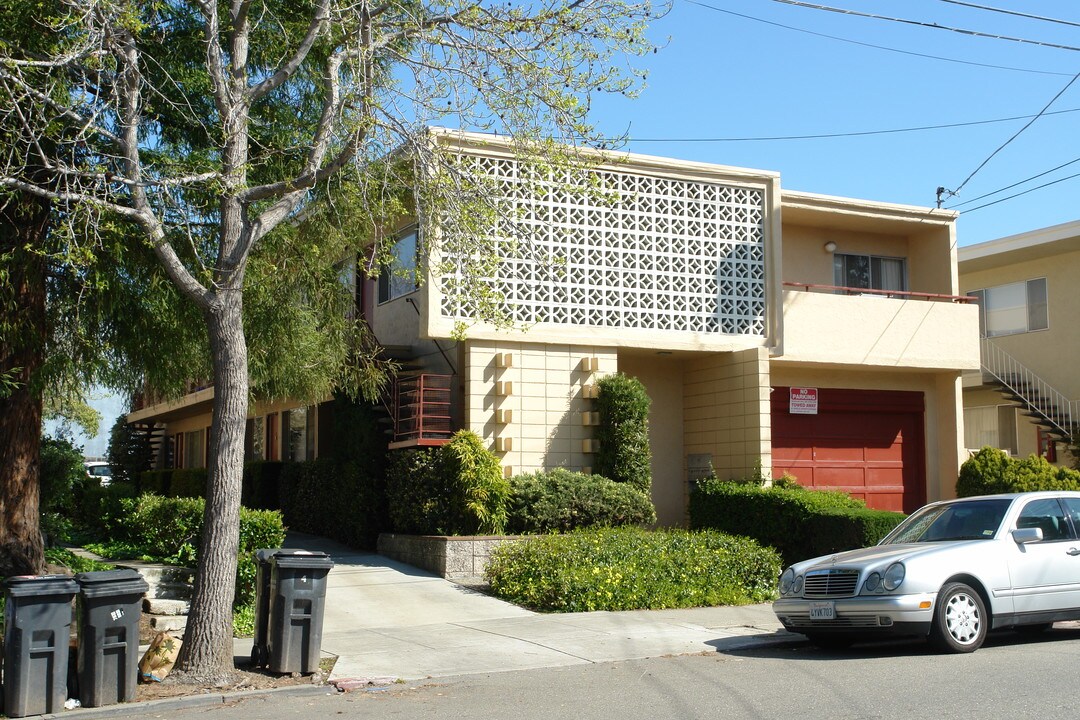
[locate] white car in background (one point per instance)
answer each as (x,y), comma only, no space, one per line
(99,469)
(951,572)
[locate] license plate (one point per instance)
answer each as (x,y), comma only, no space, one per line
(823,611)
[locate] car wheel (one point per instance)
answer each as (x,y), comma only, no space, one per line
(831,642)
(960,621)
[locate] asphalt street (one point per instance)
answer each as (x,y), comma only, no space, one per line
(1012,676)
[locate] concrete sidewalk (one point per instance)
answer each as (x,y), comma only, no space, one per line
(385,619)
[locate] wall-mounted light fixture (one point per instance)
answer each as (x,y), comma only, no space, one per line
(830,247)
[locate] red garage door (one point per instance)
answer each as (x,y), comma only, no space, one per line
(865,442)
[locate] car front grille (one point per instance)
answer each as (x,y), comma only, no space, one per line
(830,583)
(846,621)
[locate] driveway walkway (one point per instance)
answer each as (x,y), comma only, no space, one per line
(385,619)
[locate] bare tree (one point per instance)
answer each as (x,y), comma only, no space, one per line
(209,124)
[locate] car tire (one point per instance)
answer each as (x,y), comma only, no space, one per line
(960,621)
(830,642)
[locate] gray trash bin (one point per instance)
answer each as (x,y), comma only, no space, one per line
(297,597)
(109,609)
(260,647)
(37,635)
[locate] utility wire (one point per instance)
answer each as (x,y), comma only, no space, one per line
(922,23)
(1015,184)
(1010,197)
(847,134)
(1015,135)
(1012,12)
(871,45)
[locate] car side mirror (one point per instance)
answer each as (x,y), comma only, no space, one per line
(1022,536)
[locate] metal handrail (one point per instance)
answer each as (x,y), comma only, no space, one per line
(904,294)
(1039,395)
(422,407)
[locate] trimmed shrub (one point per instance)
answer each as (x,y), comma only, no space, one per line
(560,501)
(624,454)
(799,523)
(262,482)
(455,489)
(101,510)
(129,451)
(158,482)
(338,500)
(188,482)
(991,471)
(631,569)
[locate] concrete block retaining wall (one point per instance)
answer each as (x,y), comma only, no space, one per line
(452,557)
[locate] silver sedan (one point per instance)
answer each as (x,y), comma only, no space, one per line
(952,571)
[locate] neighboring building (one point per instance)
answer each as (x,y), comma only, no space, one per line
(819,336)
(1024,400)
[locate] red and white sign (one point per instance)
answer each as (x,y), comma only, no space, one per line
(803,401)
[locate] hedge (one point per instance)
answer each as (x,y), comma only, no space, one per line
(799,523)
(991,471)
(630,569)
(344,501)
(624,454)
(560,501)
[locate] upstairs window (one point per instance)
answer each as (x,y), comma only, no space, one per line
(1014,308)
(870,272)
(400,277)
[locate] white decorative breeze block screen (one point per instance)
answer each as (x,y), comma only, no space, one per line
(639,252)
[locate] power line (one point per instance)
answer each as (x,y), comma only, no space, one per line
(1015,184)
(1012,12)
(921,23)
(848,134)
(1015,135)
(1030,190)
(871,45)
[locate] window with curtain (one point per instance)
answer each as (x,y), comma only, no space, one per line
(870,272)
(990,425)
(1014,308)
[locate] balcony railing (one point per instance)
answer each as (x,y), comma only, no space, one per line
(422,410)
(902,294)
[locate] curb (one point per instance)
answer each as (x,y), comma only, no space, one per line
(188,701)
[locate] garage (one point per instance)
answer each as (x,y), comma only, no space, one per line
(868,443)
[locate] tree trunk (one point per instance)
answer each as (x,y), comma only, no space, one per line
(23,223)
(207,652)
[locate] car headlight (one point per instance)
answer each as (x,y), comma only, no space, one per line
(796,589)
(786,581)
(894,576)
(873,582)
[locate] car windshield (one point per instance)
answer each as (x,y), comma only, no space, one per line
(99,470)
(971,520)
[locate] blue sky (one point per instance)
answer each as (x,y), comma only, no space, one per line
(724,76)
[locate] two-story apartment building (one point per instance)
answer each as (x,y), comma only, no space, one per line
(1024,399)
(821,337)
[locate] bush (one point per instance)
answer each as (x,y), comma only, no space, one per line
(261,486)
(129,451)
(799,523)
(991,471)
(455,489)
(632,569)
(623,432)
(158,482)
(560,501)
(167,530)
(339,500)
(62,481)
(101,510)
(188,482)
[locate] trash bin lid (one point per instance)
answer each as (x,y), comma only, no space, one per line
(266,554)
(122,581)
(34,585)
(303,559)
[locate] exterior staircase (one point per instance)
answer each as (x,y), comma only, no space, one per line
(1046,406)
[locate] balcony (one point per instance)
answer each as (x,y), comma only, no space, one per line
(421,411)
(829,324)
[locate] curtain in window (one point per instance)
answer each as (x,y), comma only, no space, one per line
(890,274)
(980,427)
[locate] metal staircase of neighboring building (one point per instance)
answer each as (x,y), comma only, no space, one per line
(1049,408)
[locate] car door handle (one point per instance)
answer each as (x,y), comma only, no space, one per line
(1072,551)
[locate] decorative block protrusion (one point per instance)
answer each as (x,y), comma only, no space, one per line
(590,391)
(504,360)
(504,417)
(590,364)
(587,470)
(590,418)
(504,388)
(508,471)
(504,444)
(590,446)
